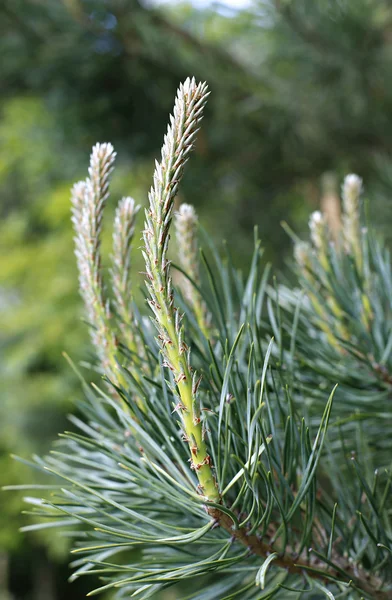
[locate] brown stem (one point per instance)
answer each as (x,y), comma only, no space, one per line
(382,371)
(369,584)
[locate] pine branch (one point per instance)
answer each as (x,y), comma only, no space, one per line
(337,569)
(266,482)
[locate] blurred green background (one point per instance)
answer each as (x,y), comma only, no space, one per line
(301,95)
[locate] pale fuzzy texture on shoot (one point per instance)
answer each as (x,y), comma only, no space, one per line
(302,255)
(178,143)
(310,260)
(317,229)
(88,202)
(319,236)
(123,232)
(186,224)
(351,193)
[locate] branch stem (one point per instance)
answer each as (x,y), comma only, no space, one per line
(314,567)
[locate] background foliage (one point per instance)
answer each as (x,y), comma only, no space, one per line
(300,89)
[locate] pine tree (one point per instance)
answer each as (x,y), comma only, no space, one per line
(218,456)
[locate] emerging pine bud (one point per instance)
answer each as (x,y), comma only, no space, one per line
(351,192)
(317,229)
(319,237)
(88,202)
(123,231)
(186,222)
(178,143)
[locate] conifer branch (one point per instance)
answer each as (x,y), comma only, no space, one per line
(307,562)
(290,496)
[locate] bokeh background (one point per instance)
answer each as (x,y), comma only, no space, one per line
(301,95)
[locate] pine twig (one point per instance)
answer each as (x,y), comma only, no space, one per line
(313,566)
